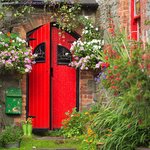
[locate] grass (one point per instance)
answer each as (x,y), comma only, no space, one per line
(29,143)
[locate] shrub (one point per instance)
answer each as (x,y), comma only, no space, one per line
(127,78)
(75,123)
(11,134)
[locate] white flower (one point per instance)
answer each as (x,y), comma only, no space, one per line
(102,42)
(96,29)
(86,31)
(27,70)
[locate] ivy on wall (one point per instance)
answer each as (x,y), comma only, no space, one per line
(63,13)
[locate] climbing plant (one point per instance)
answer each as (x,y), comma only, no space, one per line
(65,14)
(11,11)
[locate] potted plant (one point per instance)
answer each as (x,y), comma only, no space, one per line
(11,137)
(27,127)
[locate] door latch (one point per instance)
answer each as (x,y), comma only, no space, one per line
(51,72)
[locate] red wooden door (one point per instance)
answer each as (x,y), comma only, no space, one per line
(63,79)
(52,83)
(39,78)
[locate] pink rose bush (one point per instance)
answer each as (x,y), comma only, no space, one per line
(14,54)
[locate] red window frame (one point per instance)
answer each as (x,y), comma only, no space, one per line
(135,19)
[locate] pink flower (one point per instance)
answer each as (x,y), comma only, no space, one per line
(98,64)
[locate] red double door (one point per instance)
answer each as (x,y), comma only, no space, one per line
(52,83)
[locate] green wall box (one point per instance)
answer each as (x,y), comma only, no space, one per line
(13,101)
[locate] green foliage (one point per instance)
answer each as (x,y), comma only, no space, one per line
(124,123)
(54,133)
(75,123)
(11,134)
(10,12)
(118,130)
(66,15)
(36,143)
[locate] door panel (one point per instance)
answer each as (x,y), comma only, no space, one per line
(52,83)
(39,80)
(63,81)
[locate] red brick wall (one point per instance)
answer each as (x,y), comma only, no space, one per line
(87,89)
(123,13)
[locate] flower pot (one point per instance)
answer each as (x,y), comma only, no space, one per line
(12,145)
(24,128)
(29,129)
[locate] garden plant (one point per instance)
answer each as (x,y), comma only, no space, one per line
(27,127)
(11,135)
(123,122)
(14,54)
(86,50)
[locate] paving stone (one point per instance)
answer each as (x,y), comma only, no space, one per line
(143,148)
(50,138)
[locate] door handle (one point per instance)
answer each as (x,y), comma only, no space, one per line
(32,116)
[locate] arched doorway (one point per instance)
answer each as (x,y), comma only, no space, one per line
(52,84)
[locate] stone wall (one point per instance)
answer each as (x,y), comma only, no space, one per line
(114,13)
(145,20)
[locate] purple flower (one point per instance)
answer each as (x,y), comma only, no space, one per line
(12,51)
(27,60)
(103,75)
(97,79)
(26,53)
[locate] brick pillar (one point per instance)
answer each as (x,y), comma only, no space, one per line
(87,89)
(18,119)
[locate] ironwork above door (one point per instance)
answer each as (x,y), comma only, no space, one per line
(63,55)
(40,51)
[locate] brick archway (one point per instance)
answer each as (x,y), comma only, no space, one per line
(86,77)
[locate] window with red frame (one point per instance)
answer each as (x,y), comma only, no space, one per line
(136,8)
(135,19)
